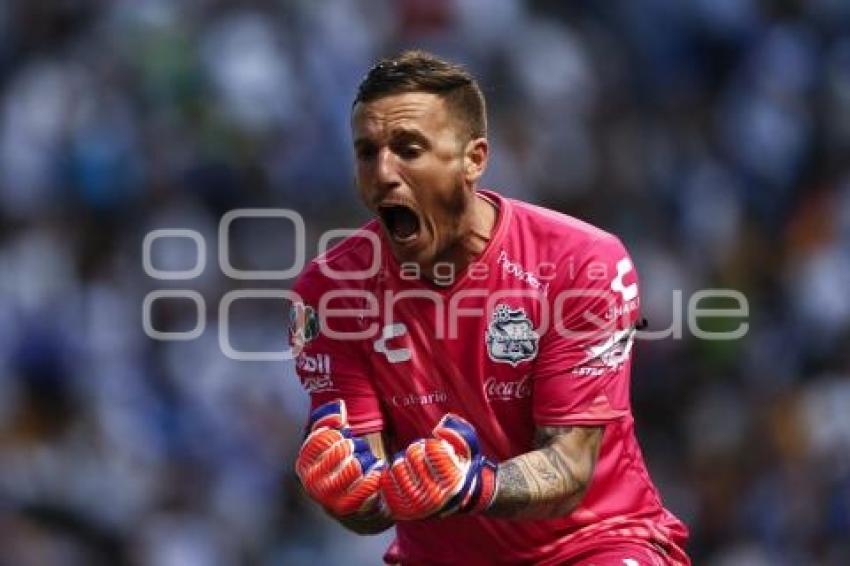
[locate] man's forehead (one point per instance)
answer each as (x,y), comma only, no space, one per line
(415,110)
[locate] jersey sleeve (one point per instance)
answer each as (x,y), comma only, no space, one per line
(330,366)
(582,372)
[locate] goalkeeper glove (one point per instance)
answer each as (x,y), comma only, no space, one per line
(337,469)
(440,476)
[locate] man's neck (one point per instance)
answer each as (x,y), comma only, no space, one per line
(477,230)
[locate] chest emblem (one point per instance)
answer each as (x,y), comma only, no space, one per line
(511,338)
(394,356)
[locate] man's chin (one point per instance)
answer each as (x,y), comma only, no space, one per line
(405,248)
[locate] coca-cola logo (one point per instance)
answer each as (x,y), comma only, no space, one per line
(507,390)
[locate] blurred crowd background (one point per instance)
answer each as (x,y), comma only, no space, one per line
(713,136)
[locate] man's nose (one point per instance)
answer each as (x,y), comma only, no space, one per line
(387,170)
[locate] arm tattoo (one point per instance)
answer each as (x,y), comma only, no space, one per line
(513,487)
(550,481)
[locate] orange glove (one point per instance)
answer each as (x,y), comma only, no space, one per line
(440,476)
(339,471)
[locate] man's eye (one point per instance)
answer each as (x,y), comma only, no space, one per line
(411,151)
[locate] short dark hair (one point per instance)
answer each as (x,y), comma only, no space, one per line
(419,71)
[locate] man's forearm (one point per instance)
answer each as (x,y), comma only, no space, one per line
(546,482)
(535,485)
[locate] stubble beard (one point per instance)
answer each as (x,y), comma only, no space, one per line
(457,246)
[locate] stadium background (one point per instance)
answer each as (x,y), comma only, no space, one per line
(713,136)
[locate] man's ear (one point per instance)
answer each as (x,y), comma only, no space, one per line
(475,159)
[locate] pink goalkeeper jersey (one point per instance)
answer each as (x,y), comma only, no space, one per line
(537,332)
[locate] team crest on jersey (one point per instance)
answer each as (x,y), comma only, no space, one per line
(511,338)
(303,325)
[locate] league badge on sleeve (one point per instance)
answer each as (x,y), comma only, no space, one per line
(303,325)
(607,356)
(511,338)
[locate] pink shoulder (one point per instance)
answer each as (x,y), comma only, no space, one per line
(562,230)
(358,252)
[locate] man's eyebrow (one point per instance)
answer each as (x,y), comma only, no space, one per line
(407,133)
(397,133)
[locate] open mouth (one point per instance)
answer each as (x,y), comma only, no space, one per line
(401,222)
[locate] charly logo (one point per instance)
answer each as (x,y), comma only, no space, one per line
(511,337)
(391,331)
(628,292)
(303,325)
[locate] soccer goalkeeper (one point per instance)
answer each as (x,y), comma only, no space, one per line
(468,355)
